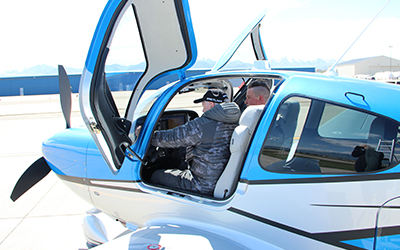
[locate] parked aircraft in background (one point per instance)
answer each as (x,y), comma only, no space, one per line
(317,167)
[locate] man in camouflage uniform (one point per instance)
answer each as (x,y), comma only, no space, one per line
(206,139)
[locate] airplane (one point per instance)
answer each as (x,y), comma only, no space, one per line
(316,167)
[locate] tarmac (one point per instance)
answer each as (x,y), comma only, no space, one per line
(49,215)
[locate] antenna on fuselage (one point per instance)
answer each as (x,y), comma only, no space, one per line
(331,70)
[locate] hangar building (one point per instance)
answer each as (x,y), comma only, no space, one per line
(368,66)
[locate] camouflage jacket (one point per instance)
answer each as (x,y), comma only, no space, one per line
(207,140)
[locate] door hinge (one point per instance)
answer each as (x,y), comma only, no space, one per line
(95,128)
(130,154)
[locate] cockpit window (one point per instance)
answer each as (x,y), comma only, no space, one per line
(312,136)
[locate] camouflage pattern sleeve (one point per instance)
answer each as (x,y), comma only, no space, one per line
(185,135)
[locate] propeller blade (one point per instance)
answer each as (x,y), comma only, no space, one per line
(37,171)
(65,94)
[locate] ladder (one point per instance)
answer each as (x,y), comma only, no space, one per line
(388,148)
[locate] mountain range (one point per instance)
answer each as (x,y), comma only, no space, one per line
(319,64)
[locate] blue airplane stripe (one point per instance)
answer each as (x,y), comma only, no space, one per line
(331,238)
(361,243)
(353,239)
(383,242)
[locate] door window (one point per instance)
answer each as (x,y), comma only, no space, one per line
(312,136)
(125,60)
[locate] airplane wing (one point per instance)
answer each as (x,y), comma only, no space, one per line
(179,237)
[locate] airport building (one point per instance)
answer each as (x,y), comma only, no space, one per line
(369,66)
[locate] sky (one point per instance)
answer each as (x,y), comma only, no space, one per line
(54,32)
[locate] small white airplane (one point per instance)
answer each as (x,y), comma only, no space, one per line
(317,167)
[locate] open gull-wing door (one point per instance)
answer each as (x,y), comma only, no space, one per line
(169,47)
(253,29)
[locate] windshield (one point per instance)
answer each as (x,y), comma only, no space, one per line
(145,103)
(192,91)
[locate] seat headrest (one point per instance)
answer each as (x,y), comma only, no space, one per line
(381,129)
(250,116)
